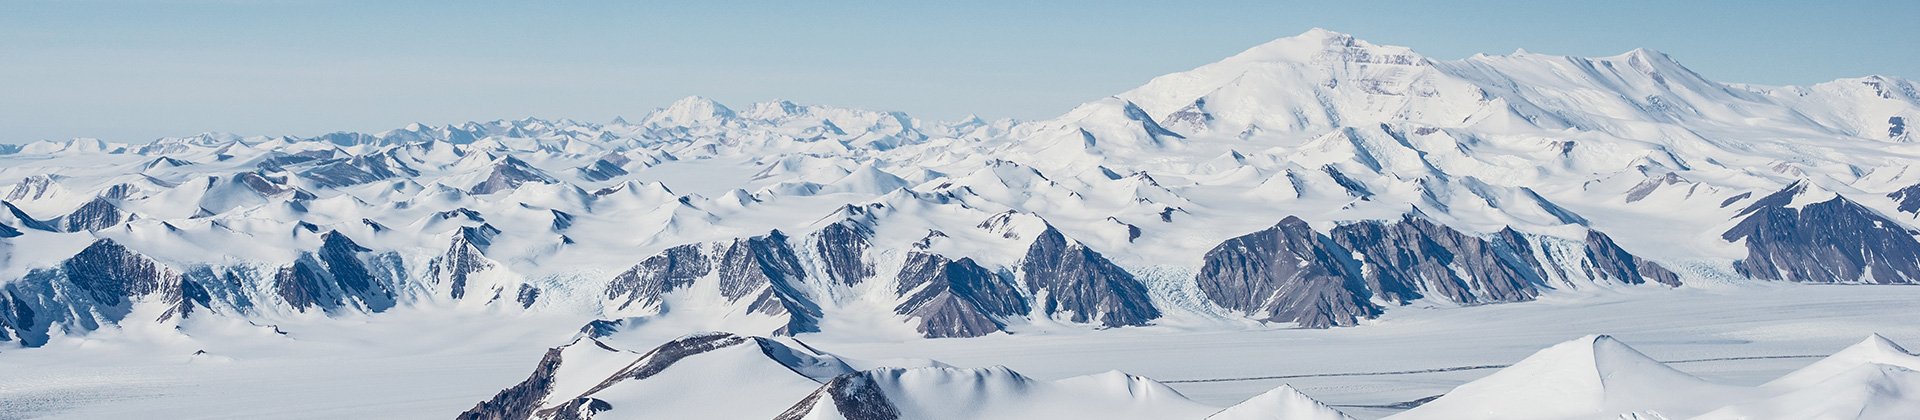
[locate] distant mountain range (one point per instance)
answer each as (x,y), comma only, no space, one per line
(1317,181)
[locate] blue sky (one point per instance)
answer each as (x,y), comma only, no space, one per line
(136,70)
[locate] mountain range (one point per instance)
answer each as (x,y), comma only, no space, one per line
(1314,181)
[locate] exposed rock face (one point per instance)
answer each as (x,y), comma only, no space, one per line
(335,276)
(1908,198)
(1609,261)
(1287,273)
(559,389)
(1070,279)
(842,249)
(1833,241)
(95,215)
(95,287)
(561,220)
(956,298)
(509,174)
(1403,259)
(1291,273)
(646,282)
(610,166)
(356,170)
(520,400)
(854,397)
(465,255)
(765,268)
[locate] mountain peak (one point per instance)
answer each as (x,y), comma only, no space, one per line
(691,109)
(1319,45)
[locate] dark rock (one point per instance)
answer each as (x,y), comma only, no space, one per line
(519,401)
(1416,255)
(842,249)
(95,215)
(464,257)
(956,298)
(652,278)
(509,173)
(1287,273)
(1908,198)
(610,166)
(95,287)
(528,294)
(1290,273)
(561,220)
(766,268)
(1609,261)
(333,277)
(1081,282)
(855,396)
(1833,241)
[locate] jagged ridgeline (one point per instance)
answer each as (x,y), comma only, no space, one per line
(1313,181)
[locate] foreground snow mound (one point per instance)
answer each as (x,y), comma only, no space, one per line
(1283,403)
(1597,377)
(725,376)
(1870,391)
(707,375)
(934,393)
(1875,349)
(1593,377)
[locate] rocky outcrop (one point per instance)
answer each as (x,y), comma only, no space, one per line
(852,397)
(765,269)
(1907,199)
(1831,241)
(465,256)
(96,287)
(336,276)
(97,214)
(842,250)
(1287,273)
(520,400)
(1608,260)
(645,283)
(609,166)
(1070,280)
(956,298)
(509,173)
(1292,273)
(1407,260)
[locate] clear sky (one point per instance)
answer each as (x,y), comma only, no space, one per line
(132,71)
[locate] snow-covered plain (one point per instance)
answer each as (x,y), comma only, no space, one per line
(435,363)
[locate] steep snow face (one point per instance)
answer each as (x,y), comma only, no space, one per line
(1597,377)
(1524,175)
(1316,81)
(954,393)
(1869,391)
(1591,377)
(1875,350)
(1280,403)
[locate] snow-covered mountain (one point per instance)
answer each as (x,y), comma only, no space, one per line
(1598,377)
(1317,180)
